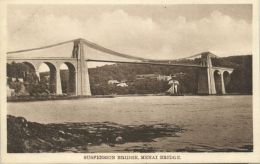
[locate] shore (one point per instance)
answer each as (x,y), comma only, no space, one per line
(71,97)
(25,136)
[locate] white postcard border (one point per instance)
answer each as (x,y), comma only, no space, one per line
(184,157)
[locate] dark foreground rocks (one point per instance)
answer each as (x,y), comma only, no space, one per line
(25,136)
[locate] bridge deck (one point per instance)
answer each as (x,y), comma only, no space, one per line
(115,61)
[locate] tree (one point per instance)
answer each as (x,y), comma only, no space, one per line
(31,81)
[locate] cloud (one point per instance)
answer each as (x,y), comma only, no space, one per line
(135,35)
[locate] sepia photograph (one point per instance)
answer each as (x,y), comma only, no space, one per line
(130,81)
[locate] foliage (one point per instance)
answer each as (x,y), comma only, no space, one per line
(127,72)
(99,77)
(31,80)
(17,86)
(188,84)
(17,70)
(241,78)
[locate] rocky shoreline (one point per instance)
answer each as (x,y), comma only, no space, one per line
(31,137)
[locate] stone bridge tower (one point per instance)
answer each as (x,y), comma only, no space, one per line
(206,82)
(82,79)
(211,79)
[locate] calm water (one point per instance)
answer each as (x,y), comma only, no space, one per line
(212,122)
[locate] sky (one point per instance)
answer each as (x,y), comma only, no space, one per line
(149,31)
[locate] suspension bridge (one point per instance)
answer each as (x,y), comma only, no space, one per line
(79,52)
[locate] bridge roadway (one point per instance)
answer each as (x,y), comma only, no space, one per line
(63,59)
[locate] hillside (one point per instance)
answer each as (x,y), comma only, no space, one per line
(242,65)
(240,79)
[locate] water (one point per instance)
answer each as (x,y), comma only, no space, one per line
(212,122)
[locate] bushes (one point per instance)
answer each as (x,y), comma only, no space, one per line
(101,75)
(32,84)
(143,86)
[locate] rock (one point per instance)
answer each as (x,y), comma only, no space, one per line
(26,136)
(62,132)
(119,139)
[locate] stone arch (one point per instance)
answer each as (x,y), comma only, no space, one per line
(30,66)
(217,79)
(226,78)
(50,77)
(31,75)
(68,78)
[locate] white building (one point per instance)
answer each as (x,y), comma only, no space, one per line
(111,82)
(20,79)
(164,78)
(122,84)
(10,92)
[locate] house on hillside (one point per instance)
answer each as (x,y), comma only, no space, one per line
(168,78)
(20,80)
(122,84)
(112,82)
(10,92)
(164,78)
(45,77)
(146,76)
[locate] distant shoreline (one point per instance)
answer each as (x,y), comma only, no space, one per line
(61,97)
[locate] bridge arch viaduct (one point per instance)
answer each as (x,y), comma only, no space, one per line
(54,67)
(212,80)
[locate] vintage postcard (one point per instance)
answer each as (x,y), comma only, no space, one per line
(130,81)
